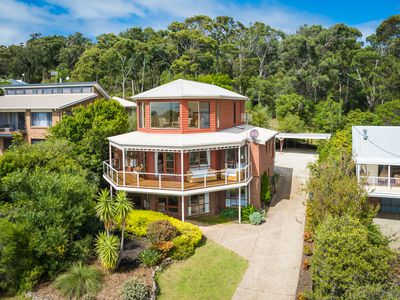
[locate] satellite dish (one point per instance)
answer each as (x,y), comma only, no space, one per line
(254,134)
(67,78)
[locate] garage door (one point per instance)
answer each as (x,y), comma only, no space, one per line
(390,205)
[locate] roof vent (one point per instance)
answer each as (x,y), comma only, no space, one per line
(365,135)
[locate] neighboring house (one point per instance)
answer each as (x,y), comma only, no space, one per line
(192,153)
(31,108)
(129,106)
(376,152)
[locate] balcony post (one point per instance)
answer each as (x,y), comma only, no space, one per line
(240,206)
(123,165)
(110,154)
(249,194)
(182,181)
(240,177)
(358,172)
(388,176)
(183,208)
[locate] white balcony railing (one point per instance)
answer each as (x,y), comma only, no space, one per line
(180,182)
(381,181)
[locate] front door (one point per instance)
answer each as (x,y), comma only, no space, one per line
(167,204)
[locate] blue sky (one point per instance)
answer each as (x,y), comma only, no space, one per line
(18,18)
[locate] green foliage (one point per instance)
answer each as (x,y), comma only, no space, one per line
(346,256)
(222,80)
(381,291)
(247,211)
(293,105)
(135,290)
(292,123)
(389,112)
(256,218)
(327,116)
(138,221)
(161,231)
(107,248)
(260,116)
(150,257)
(105,209)
(333,190)
(308,249)
(88,128)
(79,281)
(229,213)
(183,247)
(123,206)
(265,192)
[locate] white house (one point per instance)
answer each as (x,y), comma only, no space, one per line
(376,152)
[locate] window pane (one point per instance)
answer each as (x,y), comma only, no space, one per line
(86,90)
(193,114)
(165,114)
(141,115)
(204,114)
(47,91)
(20,92)
(66,91)
(42,119)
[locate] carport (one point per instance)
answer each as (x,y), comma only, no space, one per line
(300,136)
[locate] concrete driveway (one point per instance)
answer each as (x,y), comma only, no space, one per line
(273,249)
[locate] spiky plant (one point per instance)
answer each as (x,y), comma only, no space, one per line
(123,206)
(107,248)
(79,280)
(105,209)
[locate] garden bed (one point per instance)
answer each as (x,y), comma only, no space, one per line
(305,280)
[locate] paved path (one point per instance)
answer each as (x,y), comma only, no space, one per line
(273,249)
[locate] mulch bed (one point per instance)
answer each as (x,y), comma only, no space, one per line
(113,282)
(305,282)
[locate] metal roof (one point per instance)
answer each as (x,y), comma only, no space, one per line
(231,137)
(187,89)
(46,101)
(309,136)
(125,103)
(376,144)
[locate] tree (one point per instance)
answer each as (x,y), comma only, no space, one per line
(293,104)
(88,129)
(348,254)
(79,281)
(389,112)
(260,116)
(123,207)
(292,123)
(327,116)
(105,209)
(265,193)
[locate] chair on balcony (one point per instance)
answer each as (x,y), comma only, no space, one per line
(232,174)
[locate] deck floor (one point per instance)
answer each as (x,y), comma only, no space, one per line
(171,184)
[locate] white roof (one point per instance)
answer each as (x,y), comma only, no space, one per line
(186,89)
(376,144)
(124,103)
(44,101)
(225,138)
(307,135)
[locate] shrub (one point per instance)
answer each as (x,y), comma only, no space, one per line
(183,247)
(348,253)
(79,280)
(135,290)
(107,247)
(308,236)
(265,193)
(247,211)
(150,257)
(306,264)
(161,231)
(308,249)
(164,247)
(229,213)
(256,218)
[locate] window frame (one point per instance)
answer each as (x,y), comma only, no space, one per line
(200,114)
(199,159)
(201,207)
(49,113)
(166,128)
(168,207)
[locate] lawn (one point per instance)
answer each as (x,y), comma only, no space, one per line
(211,219)
(213,272)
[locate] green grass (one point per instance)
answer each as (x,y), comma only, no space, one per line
(213,272)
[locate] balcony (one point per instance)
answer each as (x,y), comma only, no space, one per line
(381,186)
(12,122)
(192,180)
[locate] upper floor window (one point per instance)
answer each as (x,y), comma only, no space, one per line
(198,160)
(41,119)
(165,114)
(199,114)
(234,112)
(141,114)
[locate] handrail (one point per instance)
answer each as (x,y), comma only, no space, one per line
(169,181)
(381,181)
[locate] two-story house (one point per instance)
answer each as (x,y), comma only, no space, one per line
(376,152)
(31,108)
(192,153)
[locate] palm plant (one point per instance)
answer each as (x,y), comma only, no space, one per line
(105,209)
(107,247)
(122,209)
(79,280)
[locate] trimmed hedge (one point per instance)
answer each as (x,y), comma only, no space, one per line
(139,220)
